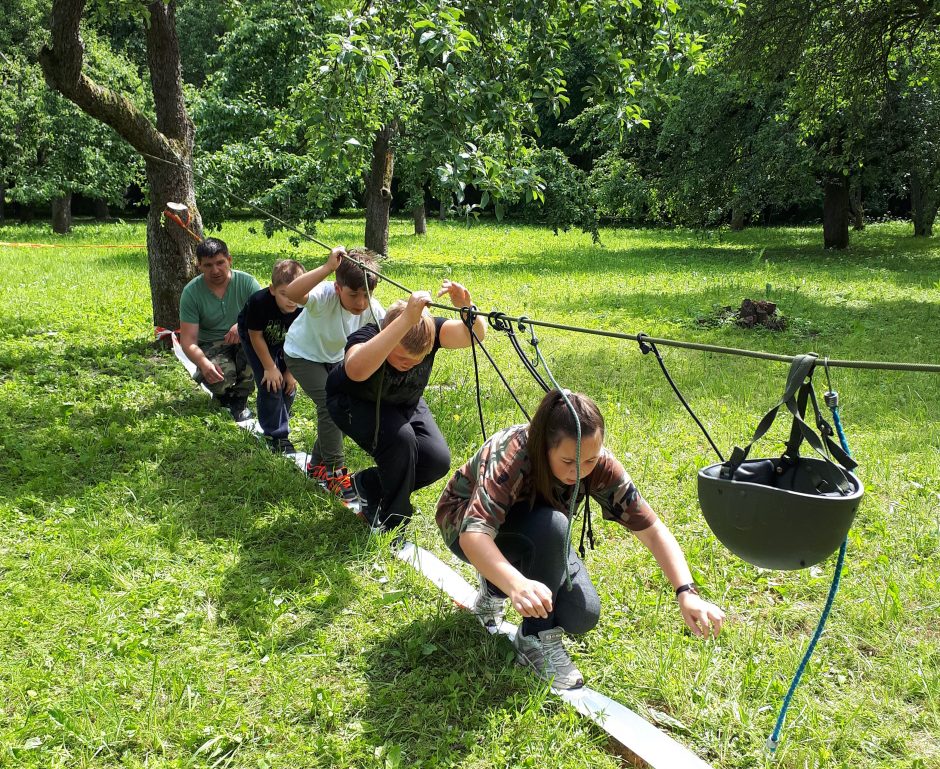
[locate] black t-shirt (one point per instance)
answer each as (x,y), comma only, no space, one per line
(403,388)
(261,313)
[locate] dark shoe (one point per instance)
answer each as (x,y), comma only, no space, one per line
(340,483)
(280,445)
(238,408)
(319,473)
(367,511)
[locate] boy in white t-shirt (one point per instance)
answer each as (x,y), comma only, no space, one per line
(316,343)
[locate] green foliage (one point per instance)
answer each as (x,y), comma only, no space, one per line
(567,200)
(174,595)
(620,192)
(728,145)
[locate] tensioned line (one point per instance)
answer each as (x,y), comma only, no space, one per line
(525,321)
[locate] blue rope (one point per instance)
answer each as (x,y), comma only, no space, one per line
(774,740)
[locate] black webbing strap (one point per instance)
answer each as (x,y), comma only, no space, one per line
(800,369)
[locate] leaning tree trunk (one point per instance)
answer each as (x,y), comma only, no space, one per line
(62,214)
(166,146)
(421,220)
(836,212)
(855,206)
(379,189)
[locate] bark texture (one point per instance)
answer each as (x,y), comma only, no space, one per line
(421,220)
(62,214)
(738,218)
(379,189)
(855,206)
(166,146)
(3,210)
(102,211)
(836,212)
(924,204)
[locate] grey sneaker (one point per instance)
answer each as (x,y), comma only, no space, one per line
(489,608)
(545,655)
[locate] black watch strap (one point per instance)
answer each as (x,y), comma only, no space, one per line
(689,587)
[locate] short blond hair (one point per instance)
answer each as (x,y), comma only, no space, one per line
(420,337)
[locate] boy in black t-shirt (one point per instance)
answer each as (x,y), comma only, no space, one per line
(375,397)
(262,326)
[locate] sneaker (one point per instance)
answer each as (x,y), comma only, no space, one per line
(489,608)
(281,446)
(318,472)
(545,655)
(340,483)
(238,408)
(367,511)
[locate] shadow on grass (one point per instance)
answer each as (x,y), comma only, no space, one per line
(434,685)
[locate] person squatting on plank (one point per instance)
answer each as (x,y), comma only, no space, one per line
(209,308)
(505,512)
(375,397)
(315,345)
(262,326)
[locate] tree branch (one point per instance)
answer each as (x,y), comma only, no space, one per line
(62,68)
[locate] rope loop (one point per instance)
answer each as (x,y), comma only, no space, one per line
(645,347)
(498,321)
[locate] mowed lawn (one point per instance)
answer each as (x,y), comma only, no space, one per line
(175,596)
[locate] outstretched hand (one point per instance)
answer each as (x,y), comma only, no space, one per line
(459,295)
(531,598)
(703,618)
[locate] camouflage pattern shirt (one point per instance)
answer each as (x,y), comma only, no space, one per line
(499,475)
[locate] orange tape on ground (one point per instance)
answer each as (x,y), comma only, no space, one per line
(77,245)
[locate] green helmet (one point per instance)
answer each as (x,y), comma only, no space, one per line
(779,514)
(788,512)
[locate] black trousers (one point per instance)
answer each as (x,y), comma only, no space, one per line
(409,452)
(533,540)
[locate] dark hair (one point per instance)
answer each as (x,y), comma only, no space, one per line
(285,271)
(211,247)
(352,276)
(552,423)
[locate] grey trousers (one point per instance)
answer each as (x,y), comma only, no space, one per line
(533,540)
(311,376)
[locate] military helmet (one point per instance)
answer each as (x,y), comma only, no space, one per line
(788,512)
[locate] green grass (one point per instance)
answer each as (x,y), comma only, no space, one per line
(174,596)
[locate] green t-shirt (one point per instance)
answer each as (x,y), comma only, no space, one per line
(215,316)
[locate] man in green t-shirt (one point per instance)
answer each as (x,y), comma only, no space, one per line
(209,307)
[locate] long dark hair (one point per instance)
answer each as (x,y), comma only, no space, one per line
(552,423)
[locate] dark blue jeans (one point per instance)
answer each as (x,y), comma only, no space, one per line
(273,407)
(533,540)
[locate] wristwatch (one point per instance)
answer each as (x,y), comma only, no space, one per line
(690,587)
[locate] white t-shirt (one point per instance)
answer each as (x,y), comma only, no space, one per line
(319,332)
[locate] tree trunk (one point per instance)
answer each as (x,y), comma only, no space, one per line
(62,214)
(421,220)
(923,205)
(167,147)
(102,212)
(855,206)
(3,209)
(379,189)
(442,212)
(738,218)
(836,212)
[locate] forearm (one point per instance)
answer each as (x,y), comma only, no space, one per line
(261,348)
(665,549)
(298,289)
(363,360)
(487,558)
(188,341)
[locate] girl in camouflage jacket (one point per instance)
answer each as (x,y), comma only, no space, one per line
(505,512)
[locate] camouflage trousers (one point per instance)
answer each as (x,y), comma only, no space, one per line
(239,381)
